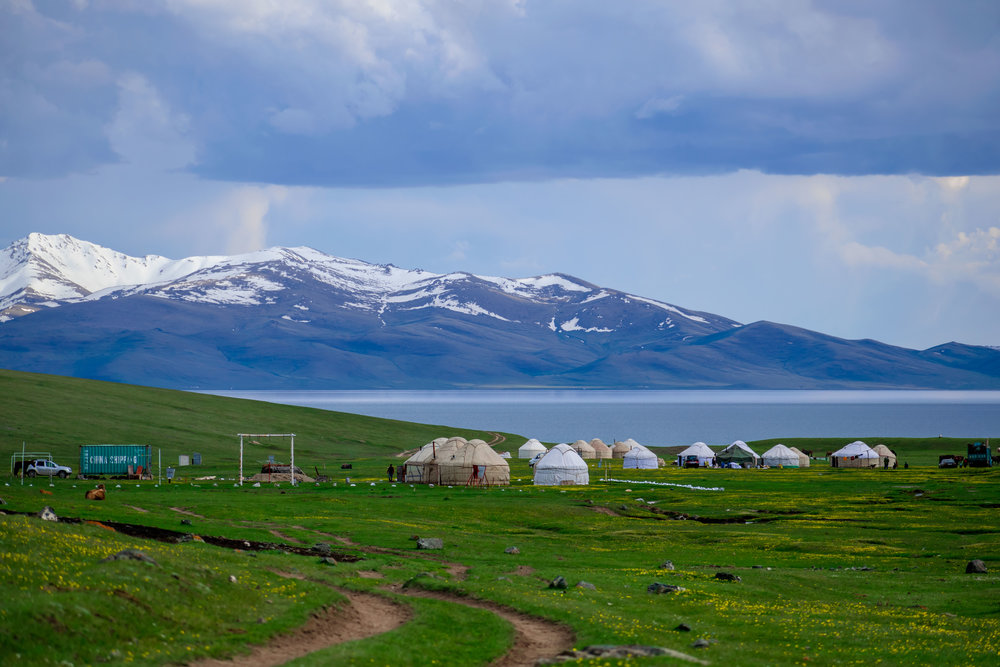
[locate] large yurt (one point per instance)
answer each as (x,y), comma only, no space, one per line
(424,466)
(699,449)
(780,456)
(855,455)
(738,452)
(886,457)
(529,449)
(561,466)
(640,457)
(474,463)
(583,448)
(601,450)
(803,458)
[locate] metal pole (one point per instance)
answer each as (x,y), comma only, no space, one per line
(22,463)
(293,459)
(241,459)
(159,464)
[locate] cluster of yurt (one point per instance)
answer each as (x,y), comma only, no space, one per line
(455,461)
(860,455)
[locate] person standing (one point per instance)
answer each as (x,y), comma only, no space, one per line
(390,471)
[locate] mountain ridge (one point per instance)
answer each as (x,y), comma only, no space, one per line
(299,318)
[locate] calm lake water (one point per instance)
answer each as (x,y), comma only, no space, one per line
(663,418)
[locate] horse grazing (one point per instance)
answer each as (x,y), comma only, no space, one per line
(96,494)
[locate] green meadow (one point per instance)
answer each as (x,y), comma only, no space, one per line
(836,567)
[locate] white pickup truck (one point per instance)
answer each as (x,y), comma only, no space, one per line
(47,467)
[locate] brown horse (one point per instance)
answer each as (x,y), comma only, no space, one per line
(96,494)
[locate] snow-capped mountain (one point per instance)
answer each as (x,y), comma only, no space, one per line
(48,271)
(299,318)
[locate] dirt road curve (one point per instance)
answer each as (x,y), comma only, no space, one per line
(365,615)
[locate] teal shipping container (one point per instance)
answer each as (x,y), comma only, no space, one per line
(114,459)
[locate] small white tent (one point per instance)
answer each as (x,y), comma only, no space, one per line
(699,449)
(780,456)
(583,448)
(641,458)
(561,466)
(529,449)
(855,455)
(803,458)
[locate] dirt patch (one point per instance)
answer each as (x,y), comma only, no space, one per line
(364,615)
(535,638)
(523,570)
(282,536)
(181,510)
(605,510)
(137,509)
(369,574)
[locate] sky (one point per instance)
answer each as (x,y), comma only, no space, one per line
(830,165)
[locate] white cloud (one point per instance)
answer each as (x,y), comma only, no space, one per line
(145,131)
(658,105)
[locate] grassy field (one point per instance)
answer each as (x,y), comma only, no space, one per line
(836,566)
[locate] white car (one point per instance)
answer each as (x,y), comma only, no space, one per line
(535,459)
(47,467)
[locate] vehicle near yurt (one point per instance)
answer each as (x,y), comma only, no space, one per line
(641,458)
(738,452)
(474,464)
(424,466)
(530,448)
(561,466)
(701,453)
(583,448)
(780,456)
(855,455)
(803,457)
(886,457)
(601,450)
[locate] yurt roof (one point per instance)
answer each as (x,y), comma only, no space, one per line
(583,446)
(739,444)
(561,456)
(631,443)
(780,451)
(856,448)
(621,447)
(532,445)
(597,441)
(882,450)
(640,452)
(699,449)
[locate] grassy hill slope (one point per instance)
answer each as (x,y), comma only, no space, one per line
(57,414)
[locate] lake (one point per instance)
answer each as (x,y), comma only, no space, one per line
(664,418)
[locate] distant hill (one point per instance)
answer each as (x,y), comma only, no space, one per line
(298,318)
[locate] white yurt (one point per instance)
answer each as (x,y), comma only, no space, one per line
(738,452)
(780,456)
(424,466)
(561,466)
(474,463)
(601,450)
(855,455)
(640,457)
(886,458)
(583,448)
(803,458)
(699,449)
(529,449)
